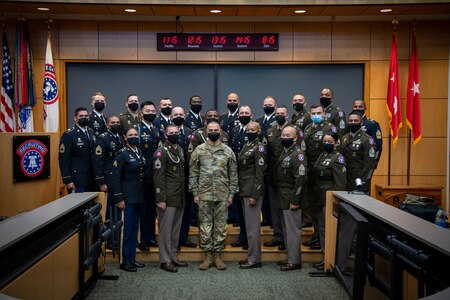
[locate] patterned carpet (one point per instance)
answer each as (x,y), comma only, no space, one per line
(267,282)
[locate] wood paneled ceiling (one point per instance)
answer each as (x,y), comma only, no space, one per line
(226,10)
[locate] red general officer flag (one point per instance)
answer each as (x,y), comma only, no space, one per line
(413,95)
(393,94)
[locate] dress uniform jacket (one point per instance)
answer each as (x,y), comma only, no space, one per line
(185,141)
(329,175)
(128,176)
(75,157)
(149,140)
(97,123)
(200,137)
(168,173)
(193,122)
(251,168)
(127,121)
(359,153)
(227,122)
(160,123)
(372,128)
(291,173)
(238,139)
(336,116)
(274,149)
(313,138)
(105,149)
(265,123)
(301,119)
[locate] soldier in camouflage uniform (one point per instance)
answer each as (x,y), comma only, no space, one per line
(213,181)
(333,114)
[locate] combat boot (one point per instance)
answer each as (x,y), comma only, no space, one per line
(207,262)
(220,265)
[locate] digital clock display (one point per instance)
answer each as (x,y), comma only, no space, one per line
(217,41)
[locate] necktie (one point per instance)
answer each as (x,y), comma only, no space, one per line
(241,131)
(87,134)
(181,132)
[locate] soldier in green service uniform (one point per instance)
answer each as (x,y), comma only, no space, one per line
(300,117)
(333,114)
(200,135)
(213,181)
(131,118)
(359,152)
(169,176)
(291,175)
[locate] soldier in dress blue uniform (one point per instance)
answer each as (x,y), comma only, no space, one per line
(266,121)
(333,114)
(193,119)
(238,140)
(75,154)
(149,140)
(186,136)
(371,127)
(105,149)
(229,120)
(128,187)
(97,120)
(165,107)
(131,118)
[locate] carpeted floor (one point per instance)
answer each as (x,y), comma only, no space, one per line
(267,282)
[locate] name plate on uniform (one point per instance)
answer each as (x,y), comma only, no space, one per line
(31,157)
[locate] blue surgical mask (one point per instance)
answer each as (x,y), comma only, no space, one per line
(317,119)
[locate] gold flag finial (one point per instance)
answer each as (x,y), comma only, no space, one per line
(395,23)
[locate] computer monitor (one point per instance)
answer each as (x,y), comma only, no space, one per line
(351,250)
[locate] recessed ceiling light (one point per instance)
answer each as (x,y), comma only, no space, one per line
(215,11)
(43,8)
(386,10)
(130,10)
(300,11)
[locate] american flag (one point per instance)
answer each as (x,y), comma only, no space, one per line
(7,115)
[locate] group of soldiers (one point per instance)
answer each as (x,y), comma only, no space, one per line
(228,167)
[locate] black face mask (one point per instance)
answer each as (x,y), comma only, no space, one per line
(325,101)
(178,121)
(166,110)
(173,138)
(354,127)
(196,108)
(268,110)
(149,117)
(213,136)
(244,119)
(115,128)
(280,119)
(133,106)
(252,136)
(83,122)
(361,111)
(99,106)
(209,120)
(298,106)
(287,142)
(232,107)
(133,141)
(328,147)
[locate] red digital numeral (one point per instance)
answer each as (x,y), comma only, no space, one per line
(194,40)
(219,39)
(243,40)
(170,40)
(268,40)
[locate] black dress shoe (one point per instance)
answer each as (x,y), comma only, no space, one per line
(180,264)
(188,244)
(313,240)
(245,247)
(304,224)
(136,264)
(265,223)
(319,264)
(290,267)
(281,262)
(315,246)
(250,265)
(243,262)
(282,247)
(272,243)
(238,243)
(152,243)
(169,267)
(128,267)
(143,246)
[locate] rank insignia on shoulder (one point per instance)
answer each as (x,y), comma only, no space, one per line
(98,150)
(378,134)
(341,114)
(261,161)
(261,148)
(157,164)
(371,141)
(342,124)
(115,163)
(158,153)
(341,159)
(264,141)
(333,129)
(301,157)
(62,148)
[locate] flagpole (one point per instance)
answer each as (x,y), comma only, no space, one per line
(394,24)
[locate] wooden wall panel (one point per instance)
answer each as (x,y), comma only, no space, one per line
(198,55)
(432,39)
(434,117)
(350,41)
(381,40)
(38,38)
(312,41)
(379,78)
(78,39)
(147,41)
(285,42)
(117,40)
(398,158)
(430,155)
(235,55)
(433,78)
